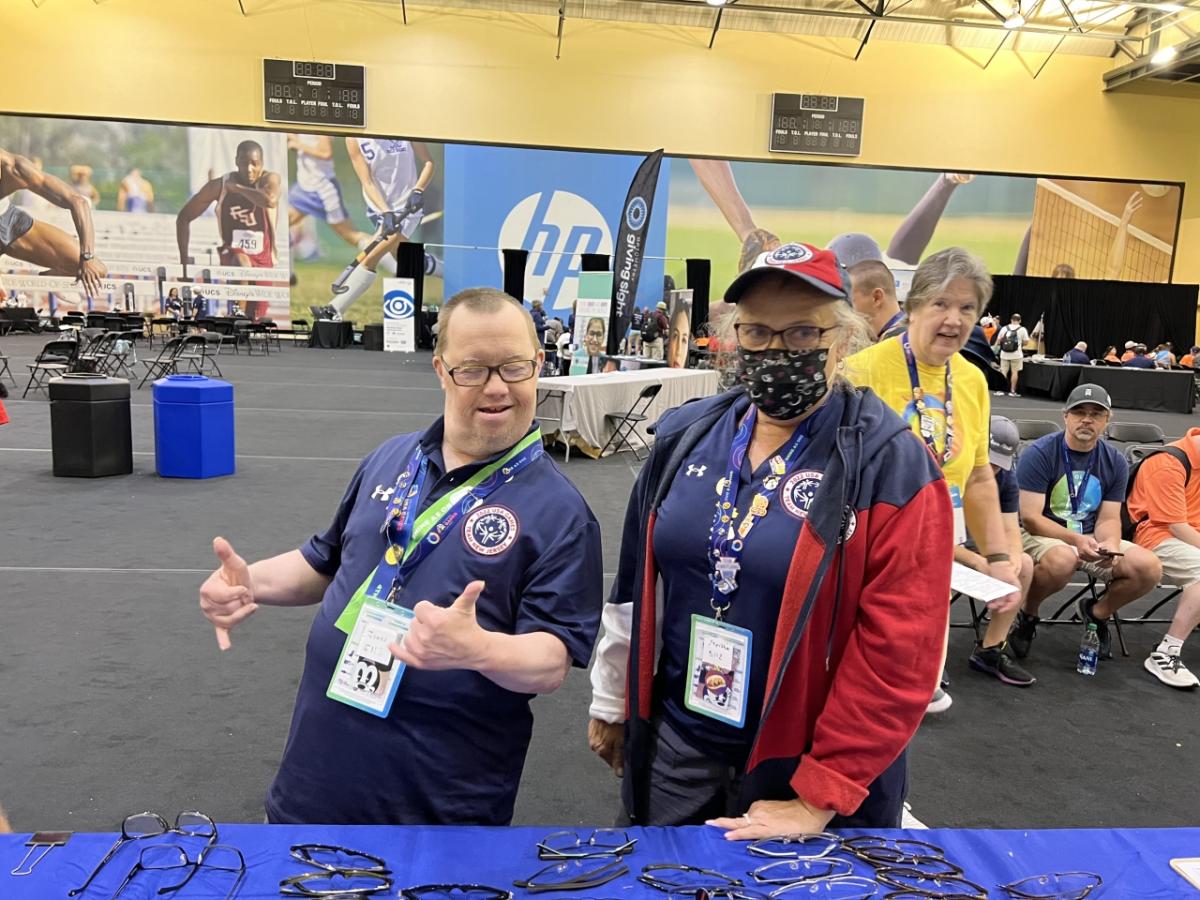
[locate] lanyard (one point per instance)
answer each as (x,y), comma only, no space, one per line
(925,420)
(726,544)
(411,539)
(894,320)
(1074,491)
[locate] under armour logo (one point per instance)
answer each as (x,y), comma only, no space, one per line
(696,471)
(382,493)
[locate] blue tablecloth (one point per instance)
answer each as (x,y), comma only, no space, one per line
(1133,862)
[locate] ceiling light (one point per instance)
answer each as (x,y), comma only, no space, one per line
(715,2)
(1163,56)
(1016,20)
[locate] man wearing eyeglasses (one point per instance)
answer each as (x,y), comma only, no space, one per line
(1072,486)
(473,539)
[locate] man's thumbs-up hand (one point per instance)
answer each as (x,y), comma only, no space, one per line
(445,637)
(227,597)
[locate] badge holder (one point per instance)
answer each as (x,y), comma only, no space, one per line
(960,521)
(367,675)
(717,664)
(47,840)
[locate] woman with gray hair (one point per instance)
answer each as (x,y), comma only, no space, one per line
(765,661)
(944,399)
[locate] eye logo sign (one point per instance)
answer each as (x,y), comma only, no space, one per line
(490,530)
(398,304)
(636,214)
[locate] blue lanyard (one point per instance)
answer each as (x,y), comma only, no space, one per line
(898,317)
(728,542)
(924,421)
(1075,492)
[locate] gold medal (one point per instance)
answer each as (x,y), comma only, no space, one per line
(391,556)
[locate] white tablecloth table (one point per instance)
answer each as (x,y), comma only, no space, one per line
(576,405)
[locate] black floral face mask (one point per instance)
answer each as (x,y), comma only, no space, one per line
(784,384)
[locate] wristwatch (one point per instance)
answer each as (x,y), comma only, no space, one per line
(86,255)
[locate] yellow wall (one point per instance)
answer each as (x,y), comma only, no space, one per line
(493,78)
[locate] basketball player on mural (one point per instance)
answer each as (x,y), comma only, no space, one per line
(247,204)
(23,237)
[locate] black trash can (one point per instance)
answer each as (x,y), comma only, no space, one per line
(90,431)
(372,337)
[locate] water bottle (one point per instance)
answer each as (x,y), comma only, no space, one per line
(1089,651)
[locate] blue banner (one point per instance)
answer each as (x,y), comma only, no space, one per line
(552,203)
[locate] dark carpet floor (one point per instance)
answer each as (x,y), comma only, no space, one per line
(115,699)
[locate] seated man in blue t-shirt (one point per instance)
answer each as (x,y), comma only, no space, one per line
(473,536)
(1072,486)
(991,655)
(1078,355)
(1141,359)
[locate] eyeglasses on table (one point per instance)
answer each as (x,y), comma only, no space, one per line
(791,871)
(1054,886)
(573,875)
(340,871)
(455,892)
(573,845)
(165,857)
(140,826)
(796,846)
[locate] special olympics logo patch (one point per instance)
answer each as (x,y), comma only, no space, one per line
(398,304)
(636,214)
(490,530)
(788,255)
(799,491)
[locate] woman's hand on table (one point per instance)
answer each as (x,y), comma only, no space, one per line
(768,818)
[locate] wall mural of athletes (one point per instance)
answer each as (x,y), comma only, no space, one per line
(271,223)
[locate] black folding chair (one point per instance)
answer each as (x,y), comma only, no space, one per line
(164,363)
(978,615)
(54,359)
(625,424)
(193,352)
(1032,429)
(1090,588)
(4,368)
(93,355)
(257,336)
(1135,433)
(272,332)
(212,349)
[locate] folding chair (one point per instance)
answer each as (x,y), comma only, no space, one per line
(93,357)
(561,397)
(54,359)
(1089,588)
(978,616)
(4,368)
(272,333)
(1032,429)
(625,424)
(164,363)
(1135,433)
(192,352)
(212,348)
(256,336)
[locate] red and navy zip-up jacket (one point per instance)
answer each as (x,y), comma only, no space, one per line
(862,620)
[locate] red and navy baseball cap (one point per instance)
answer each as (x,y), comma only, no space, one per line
(817,268)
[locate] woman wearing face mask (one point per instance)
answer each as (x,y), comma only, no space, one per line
(774,526)
(944,400)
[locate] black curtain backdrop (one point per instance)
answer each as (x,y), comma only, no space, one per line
(410,263)
(514,273)
(699,280)
(1099,312)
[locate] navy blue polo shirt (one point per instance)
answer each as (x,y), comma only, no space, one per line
(681,549)
(1009,490)
(453,747)
(1041,469)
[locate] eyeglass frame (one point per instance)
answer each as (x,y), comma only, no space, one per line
(545,852)
(782,335)
(888,875)
(1014,892)
(293,885)
(186,863)
(124,838)
(653,881)
(762,876)
(600,875)
(757,848)
(490,370)
(299,852)
(418,892)
(858,880)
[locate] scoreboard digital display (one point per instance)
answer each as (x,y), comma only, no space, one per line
(816,124)
(314,93)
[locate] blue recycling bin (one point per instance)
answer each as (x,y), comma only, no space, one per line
(193,427)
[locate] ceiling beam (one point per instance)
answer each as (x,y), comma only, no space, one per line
(866,37)
(562,18)
(716,25)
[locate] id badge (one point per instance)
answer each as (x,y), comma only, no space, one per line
(960,521)
(247,241)
(367,675)
(927,426)
(718,663)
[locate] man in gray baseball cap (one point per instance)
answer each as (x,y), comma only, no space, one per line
(991,656)
(1072,487)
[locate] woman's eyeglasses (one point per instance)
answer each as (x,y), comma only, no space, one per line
(164,857)
(796,846)
(1055,886)
(150,824)
(571,845)
(752,336)
(476,376)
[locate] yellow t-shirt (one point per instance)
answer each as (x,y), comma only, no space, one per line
(883,369)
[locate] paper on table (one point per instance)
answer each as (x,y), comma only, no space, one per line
(967,581)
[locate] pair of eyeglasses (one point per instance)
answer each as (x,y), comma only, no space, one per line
(339,872)
(150,824)
(678,878)
(510,372)
(455,892)
(573,875)
(840,887)
(792,871)
(752,336)
(915,883)
(881,851)
(572,845)
(796,846)
(1054,886)
(164,857)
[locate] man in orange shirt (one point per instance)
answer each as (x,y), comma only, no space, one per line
(1164,504)
(1130,351)
(1188,361)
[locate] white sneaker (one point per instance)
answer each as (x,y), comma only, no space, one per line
(1170,670)
(940,703)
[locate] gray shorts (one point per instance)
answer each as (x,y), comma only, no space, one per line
(14,222)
